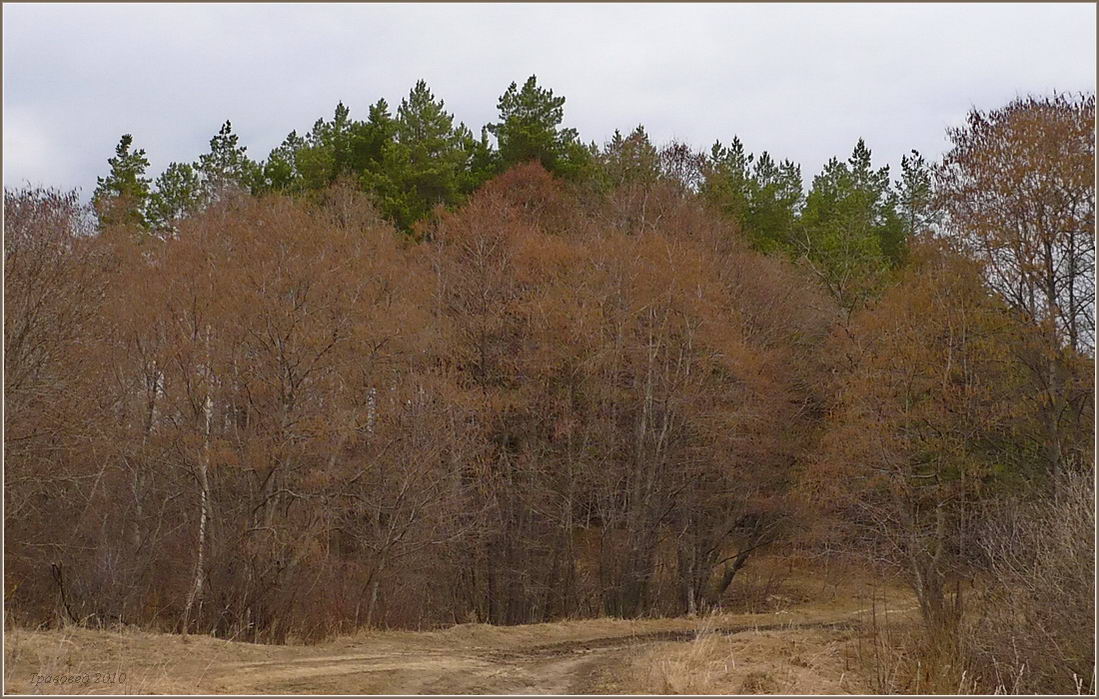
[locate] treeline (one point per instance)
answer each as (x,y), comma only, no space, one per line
(420,158)
(279,413)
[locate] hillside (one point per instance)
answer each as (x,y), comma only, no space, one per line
(592,384)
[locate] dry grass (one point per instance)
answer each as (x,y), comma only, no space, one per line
(754,662)
(480,658)
(74,660)
(1029,623)
(797,659)
(894,655)
(1032,627)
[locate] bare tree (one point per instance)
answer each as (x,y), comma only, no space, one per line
(1018,189)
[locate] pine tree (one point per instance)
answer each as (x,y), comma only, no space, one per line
(850,231)
(762,196)
(422,167)
(371,138)
(915,203)
(776,199)
(629,159)
(122,196)
(483,163)
(528,129)
(728,182)
(178,194)
(280,170)
(227,166)
(326,153)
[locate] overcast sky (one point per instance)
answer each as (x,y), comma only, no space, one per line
(802,81)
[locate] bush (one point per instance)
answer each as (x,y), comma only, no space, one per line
(1033,629)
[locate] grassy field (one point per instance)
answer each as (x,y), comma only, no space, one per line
(805,637)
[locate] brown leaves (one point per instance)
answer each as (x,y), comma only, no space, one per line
(1018,187)
(350,403)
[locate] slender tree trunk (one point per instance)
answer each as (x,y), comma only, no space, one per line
(200,552)
(374,593)
(1053,349)
(204,498)
(692,602)
(139,476)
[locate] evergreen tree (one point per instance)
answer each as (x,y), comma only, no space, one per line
(371,138)
(915,203)
(776,196)
(850,231)
(483,163)
(423,166)
(629,159)
(122,196)
(528,129)
(280,170)
(227,166)
(327,151)
(875,203)
(178,194)
(727,183)
(763,196)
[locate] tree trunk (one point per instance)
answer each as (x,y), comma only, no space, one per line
(204,498)
(374,593)
(200,553)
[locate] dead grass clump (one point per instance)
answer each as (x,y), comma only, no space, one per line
(896,656)
(1033,629)
(76,660)
(769,662)
(759,683)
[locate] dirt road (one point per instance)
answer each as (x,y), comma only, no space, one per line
(570,667)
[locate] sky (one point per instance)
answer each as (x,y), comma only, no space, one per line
(802,81)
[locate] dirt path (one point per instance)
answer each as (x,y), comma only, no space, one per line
(575,657)
(564,667)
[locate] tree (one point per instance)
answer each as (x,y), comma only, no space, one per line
(178,195)
(226,167)
(56,275)
(762,196)
(528,129)
(727,183)
(423,166)
(1017,189)
(924,431)
(280,171)
(683,166)
(849,231)
(915,203)
(630,159)
(628,167)
(122,196)
(326,153)
(776,201)
(484,163)
(371,138)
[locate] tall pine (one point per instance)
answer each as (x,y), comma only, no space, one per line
(121,198)
(850,231)
(530,129)
(424,163)
(226,167)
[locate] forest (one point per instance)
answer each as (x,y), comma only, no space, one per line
(398,375)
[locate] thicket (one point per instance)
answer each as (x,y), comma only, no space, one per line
(398,376)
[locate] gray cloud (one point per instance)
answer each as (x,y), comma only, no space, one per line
(802,81)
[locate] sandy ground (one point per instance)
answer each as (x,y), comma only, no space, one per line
(796,647)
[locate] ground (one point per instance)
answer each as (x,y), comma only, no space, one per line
(805,642)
